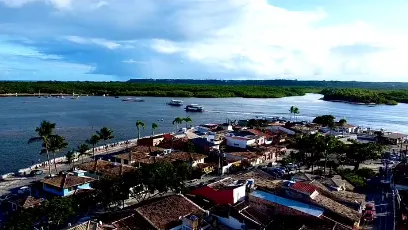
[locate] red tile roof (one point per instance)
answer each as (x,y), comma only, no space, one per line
(304,188)
(67,181)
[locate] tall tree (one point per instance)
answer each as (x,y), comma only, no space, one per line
(105,134)
(94,140)
(360,152)
(177,121)
(139,124)
(57,143)
(154,127)
(325,120)
(291,110)
(188,120)
(342,122)
(70,155)
(82,149)
(44,132)
(331,146)
(296,111)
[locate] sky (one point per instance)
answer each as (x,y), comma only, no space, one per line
(116,40)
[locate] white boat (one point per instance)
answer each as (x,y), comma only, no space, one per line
(194,108)
(133,99)
(175,103)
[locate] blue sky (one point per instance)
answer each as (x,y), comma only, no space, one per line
(102,40)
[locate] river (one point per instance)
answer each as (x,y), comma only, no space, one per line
(78,119)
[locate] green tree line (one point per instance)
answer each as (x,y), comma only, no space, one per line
(153,89)
(389,97)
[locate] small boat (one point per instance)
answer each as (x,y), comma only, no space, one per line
(117,97)
(175,103)
(133,99)
(194,108)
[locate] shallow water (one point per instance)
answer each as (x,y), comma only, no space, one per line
(78,119)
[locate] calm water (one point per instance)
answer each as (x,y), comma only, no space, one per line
(78,119)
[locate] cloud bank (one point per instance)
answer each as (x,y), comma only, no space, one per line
(228,39)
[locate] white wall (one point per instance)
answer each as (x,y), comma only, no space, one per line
(237,142)
(239,194)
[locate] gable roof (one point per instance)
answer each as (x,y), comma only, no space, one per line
(165,213)
(304,188)
(105,168)
(66,181)
(27,201)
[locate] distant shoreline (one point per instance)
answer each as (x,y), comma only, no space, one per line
(350,102)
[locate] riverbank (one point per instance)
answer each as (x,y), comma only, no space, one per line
(350,102)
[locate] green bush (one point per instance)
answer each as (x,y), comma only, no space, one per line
(365,173)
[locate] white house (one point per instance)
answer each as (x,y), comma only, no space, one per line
(239,142)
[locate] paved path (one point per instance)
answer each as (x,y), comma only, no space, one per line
(11,184)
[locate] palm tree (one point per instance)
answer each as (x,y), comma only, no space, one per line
(296,111)
(291,110)
(188,120)
(45,131)
(177,121)
(83,151)
(105,134)
(94,140)
(138,125)
(154,127)
(57,143)
(70,155)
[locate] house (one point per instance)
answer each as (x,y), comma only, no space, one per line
(98,168)
(150,141)
(395,138)
(191,158)
(66,184)
(138,152)
(280,129)
(250,158)
(347,128)
(225,191)
(88,225)
(309,193)
(175,212)
(400,176)
(262,210)
(204,145)
(240,142)
(207,128)
(21,202)
(207,168)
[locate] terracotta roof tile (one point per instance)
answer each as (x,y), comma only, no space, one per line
(184,156)
(304,187)
(165,213)
(27,201)
(105,168)
(66,181)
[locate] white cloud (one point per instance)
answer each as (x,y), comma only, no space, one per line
(98,41)
(270,41)
(60,4)
(132,61)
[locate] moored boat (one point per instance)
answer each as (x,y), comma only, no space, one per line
(133,99)
(194,108)
(175,103)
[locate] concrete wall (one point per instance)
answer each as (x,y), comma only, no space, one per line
(239,194)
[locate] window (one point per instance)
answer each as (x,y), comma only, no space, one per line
(236,144)
(125,162)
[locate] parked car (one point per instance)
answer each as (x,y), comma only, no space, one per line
(369,212)
(36,172)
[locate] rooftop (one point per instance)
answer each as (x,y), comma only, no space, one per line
(304,188)
(249,155)
(66,181)
(184,156)
(227,183)
(27,201)
(395,135)
(165,213)
(262,179)
(337,208)
(302,207)
(105,168)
